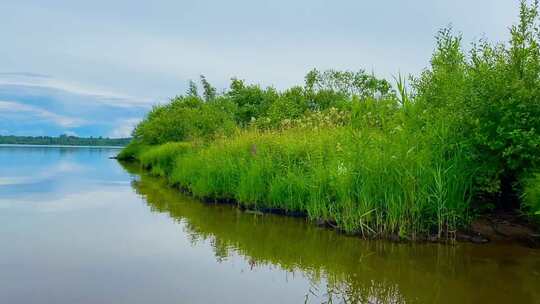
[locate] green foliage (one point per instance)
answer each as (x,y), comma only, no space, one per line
(160,159)
(291,104)
(347,83)
(132,151)
(371,113)
(192,91)
(492,99)
(209,92)
(333,88)
(363,182)
(348,149)
(186,118)
(251,100)
(531,195)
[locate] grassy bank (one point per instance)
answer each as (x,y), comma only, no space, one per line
(351,150)
(361,183)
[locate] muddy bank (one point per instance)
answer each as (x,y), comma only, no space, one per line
(507,228)
(503,227)
(495,228)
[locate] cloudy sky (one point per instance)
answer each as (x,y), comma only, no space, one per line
(94,68)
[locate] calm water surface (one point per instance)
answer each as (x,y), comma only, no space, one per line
(77,227)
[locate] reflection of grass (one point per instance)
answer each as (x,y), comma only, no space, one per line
(352,268)
(348,267)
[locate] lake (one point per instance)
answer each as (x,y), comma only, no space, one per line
(78,227)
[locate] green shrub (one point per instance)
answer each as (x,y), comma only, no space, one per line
(187,118)
(252,102)
(160,159)
(531,195)
(492,97)
(131,151)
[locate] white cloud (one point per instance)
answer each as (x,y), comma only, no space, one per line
(70,133)
(84,200)
(50,172)
(125,127)
(10,108)
(46,81)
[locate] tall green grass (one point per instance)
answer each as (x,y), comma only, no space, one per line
(358,181)
(160,159)
(531,195)
(131,151)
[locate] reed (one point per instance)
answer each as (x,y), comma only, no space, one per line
(160,159)
(359,181)
(531,195)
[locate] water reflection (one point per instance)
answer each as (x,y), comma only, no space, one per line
(348,270)
(74,230)
(27,171)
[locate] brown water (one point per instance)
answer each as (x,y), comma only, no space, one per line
(76,227)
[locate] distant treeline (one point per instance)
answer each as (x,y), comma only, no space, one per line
(63,140)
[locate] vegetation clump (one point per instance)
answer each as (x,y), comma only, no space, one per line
(351,150)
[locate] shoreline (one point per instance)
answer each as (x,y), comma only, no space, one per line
(486,229)
(60,146)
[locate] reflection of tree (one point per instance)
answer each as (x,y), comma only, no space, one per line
(221,249)
(342,269)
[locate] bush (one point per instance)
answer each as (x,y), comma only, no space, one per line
(531,195)
(131,151)
(160,159)
(186,118)
(492,97)
(252,102)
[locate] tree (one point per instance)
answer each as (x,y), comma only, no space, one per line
(192,89)
(209,92)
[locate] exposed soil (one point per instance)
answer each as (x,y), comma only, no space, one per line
(502,227)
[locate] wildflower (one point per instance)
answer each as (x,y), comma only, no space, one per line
(341,169)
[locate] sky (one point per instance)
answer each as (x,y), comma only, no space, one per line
(94,68)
